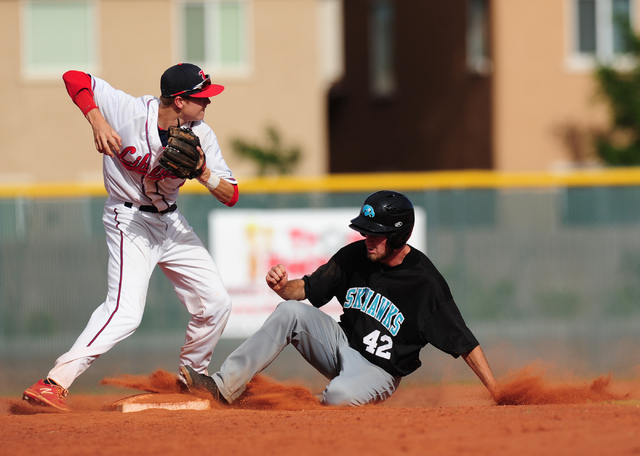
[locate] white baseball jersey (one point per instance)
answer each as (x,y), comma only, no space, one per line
(135,174)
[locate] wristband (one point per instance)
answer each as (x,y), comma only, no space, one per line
(212,183)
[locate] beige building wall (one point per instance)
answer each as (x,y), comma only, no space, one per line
(539,95)
(284,89)
(52,142)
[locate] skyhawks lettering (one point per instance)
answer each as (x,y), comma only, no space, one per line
(375,305)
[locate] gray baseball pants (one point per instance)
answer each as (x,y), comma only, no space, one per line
(322,342)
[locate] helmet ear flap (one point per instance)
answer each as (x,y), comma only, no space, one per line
(397,239)
(392,241)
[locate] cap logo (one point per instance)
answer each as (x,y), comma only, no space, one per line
(398,224)
(368,211)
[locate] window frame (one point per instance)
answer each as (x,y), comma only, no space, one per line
(478,37)
(243,70)
(576,61)
(50,72)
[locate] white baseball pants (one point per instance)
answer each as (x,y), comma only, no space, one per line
(137,242)
(322,342)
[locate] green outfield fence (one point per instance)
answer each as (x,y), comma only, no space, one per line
(544,267)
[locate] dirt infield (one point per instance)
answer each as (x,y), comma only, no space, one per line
(596,417)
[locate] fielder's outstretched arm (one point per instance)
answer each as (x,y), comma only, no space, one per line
(479,364)
(278,280)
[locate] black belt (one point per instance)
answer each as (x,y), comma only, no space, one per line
(153,209)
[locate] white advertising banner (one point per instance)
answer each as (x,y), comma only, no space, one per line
(246,243)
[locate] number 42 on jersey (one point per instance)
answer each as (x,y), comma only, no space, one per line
(379,349)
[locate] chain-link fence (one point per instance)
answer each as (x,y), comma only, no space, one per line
(549,274)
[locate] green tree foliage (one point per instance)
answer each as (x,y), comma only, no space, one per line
(620,146)
(272,157)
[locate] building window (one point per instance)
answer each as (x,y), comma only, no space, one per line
(381,48)
(598,31)
(214,35)
(478,36)
(58,36)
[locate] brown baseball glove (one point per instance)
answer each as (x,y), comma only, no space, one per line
(181,157)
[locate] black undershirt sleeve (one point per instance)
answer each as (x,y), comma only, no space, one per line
(447,331)
(319,287)
(331,279)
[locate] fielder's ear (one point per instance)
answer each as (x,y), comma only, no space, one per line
(179,102)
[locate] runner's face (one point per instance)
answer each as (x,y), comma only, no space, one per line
(377,248)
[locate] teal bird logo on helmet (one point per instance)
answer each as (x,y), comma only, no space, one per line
(368,211)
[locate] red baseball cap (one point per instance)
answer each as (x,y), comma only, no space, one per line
(188,80)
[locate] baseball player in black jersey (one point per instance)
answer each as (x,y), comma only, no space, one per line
(394,303)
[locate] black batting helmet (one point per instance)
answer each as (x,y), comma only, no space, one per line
(386,213)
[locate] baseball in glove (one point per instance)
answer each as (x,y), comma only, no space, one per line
(181,156)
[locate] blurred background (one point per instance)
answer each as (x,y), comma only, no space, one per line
(511,123)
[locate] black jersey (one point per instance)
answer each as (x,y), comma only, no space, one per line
(390,313)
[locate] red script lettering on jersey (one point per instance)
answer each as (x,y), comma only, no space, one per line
(140,164)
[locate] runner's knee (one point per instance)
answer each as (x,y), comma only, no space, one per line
(342,393)
(288,309)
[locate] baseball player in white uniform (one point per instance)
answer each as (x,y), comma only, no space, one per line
(143,225)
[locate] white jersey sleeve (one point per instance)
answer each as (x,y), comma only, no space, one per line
(117,107)
(211,148)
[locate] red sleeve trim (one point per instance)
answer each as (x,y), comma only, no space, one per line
(234,198)
(78,86)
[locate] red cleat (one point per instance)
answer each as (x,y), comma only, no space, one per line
(48,394)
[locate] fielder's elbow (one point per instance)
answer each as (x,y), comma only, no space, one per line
(234,198)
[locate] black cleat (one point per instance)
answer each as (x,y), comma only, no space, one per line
(202,382)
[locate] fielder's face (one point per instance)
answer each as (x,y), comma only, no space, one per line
(193,108)
(377,248)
